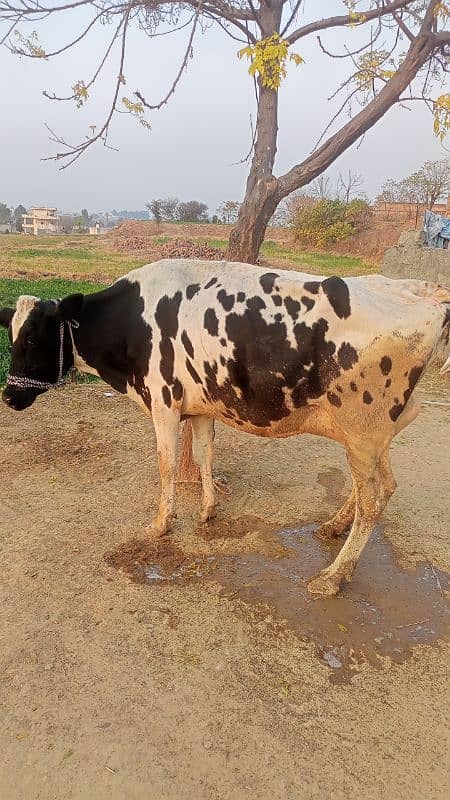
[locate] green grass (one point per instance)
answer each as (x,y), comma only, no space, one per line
(315,262)
(71,256)
(47,290)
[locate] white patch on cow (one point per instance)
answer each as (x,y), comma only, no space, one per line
(24,306)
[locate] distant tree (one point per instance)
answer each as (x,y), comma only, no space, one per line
(348,184)
(67,223)
(5,214)
(169,208)
(320,188)
(155,209)
(18,217)
(422,188)
(434,179)
(192,211)
(228,211)
(85,217)
(322,222)
(215,219)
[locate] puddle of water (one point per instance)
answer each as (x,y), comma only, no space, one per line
(385,611)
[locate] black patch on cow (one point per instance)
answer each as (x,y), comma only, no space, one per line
(312,287)
(334,399)
(167,360)
(338,296)
(267,281)
(277,300)
(166,396)
(177,390)
(388,383)
(367,398)
(193,372)
(192,290)
(292,307)
(223,360)
(210,283)
(255,303)
(339,388)
(264,365)
(187,344)
(278,317)
(211,322)
(413,377)
(225,300)
(166,315)
(353,386)
(240,297)
(308,302)
(347,356)
(113,338)
(385,365)
(223,342)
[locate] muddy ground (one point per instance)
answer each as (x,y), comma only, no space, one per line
(116,683)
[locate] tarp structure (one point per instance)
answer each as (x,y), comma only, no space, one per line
(436,230)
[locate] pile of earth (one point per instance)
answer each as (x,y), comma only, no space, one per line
(136,236)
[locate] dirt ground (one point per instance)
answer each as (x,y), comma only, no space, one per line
(198,690)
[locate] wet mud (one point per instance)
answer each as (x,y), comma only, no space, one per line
(384,612)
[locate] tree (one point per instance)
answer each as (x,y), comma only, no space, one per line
(423,188)
(169,208)
(228,211)
(405,39)
(85,217)
(5,214)
(192,211)
(18,217)
(348,184)
(155,209)
(434,179)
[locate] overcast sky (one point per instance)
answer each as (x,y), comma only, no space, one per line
(195,141)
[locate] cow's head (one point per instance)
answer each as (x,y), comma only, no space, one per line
(36,332)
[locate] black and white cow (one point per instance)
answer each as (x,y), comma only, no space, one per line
(269,353)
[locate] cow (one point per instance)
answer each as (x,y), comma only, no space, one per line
(272,353)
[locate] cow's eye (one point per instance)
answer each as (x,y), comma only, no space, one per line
(31,341)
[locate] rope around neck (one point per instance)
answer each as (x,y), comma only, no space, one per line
(21,382)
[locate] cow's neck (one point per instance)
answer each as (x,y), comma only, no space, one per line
(109,323)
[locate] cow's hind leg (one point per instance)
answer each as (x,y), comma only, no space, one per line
(371,497)
(203,436)
(342,520)
(166,421)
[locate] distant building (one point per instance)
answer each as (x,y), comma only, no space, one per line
(411,209)
(5,227)
(41,222)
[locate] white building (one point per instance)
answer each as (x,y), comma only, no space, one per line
(41,222)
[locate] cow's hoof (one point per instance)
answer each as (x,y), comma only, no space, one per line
(205,514)
(159,528)
(324,584)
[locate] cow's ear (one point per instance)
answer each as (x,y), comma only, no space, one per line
(6,315)
(70,307)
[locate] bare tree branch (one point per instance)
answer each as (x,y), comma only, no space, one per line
(346,19)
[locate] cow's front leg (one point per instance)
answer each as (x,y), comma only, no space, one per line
(342,520)
(166,422)
(203,436)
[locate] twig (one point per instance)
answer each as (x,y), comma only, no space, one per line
(410,624)
(437,579)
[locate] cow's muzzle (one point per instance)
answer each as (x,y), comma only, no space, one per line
(18,400)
